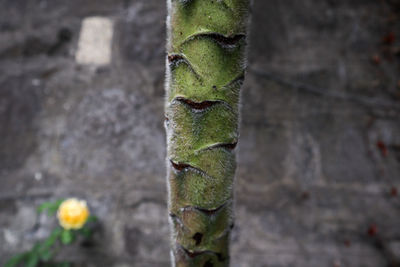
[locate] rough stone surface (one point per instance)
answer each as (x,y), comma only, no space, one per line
(319,154)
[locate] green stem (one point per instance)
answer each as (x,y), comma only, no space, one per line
(205,70)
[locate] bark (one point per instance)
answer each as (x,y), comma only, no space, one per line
(205,70)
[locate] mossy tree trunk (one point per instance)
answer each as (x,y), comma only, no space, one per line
(205,70)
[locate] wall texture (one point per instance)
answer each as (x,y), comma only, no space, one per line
(319,154)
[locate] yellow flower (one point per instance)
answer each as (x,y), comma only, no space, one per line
(73,213)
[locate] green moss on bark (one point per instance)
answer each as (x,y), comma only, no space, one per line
(205,70)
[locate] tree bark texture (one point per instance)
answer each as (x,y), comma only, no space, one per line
(205,70)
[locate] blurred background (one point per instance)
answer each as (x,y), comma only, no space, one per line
(81,114)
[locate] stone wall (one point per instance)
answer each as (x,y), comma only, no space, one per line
(319,154)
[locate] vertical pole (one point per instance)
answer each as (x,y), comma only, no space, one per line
(205,70)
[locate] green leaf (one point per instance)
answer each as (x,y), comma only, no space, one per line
(58,202)
(67,237)
(33,260)
(44,249)
(44,206)
(92,218)
(46,255)
(85,231)
(35,248)
(51,207)
(52,238)
(14,261)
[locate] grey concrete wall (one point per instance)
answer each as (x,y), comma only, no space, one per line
(319,154)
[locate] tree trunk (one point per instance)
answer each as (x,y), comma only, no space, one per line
(205,70)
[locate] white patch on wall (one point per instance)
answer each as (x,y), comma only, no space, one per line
(10,237)
(95,40)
